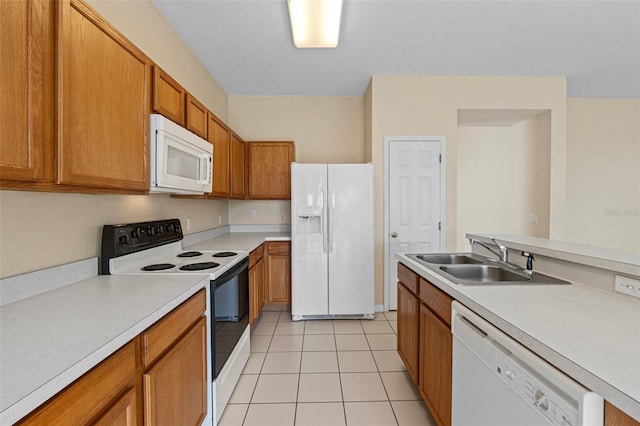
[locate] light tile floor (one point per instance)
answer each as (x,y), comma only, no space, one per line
(325,373)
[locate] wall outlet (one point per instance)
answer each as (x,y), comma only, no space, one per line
(189,224)
(533,218)
(253,212)
(627,286)
(219,220)
(281,218)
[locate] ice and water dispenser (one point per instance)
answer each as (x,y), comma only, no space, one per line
(309,224)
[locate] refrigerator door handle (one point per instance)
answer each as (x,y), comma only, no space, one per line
(330,207)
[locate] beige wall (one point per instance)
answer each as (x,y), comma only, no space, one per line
(428,105)
(267,212)
(143,24)
(603,172)
(324,129)
(39,230)
(503,176)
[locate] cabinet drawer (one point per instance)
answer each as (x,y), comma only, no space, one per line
(86,398)
(436,300)
(279,247)
(409,278)
(256,255)
(160,336)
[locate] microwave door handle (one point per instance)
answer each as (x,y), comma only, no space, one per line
(205,169)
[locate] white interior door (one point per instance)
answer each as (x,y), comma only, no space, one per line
(414,202)
(350,242)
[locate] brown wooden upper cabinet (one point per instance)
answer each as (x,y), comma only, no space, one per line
(103,103)
(196,116)
(26,93)
(219,136)
(269,170)
(168,96)
(69,124)
(237,167)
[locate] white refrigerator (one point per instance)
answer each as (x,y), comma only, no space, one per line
(332,270)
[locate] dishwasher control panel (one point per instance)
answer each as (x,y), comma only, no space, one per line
(543,398)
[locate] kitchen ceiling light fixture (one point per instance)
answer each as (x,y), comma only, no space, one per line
(315,23)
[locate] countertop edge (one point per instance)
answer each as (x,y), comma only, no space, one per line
(620,399)
(42,394)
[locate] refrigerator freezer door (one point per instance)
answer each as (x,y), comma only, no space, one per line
(350,239)
(309,270)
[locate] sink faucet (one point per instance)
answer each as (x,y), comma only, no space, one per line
(502,253)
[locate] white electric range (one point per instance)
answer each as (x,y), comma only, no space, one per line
(155,248)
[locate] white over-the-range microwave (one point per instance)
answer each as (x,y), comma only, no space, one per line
(181,162)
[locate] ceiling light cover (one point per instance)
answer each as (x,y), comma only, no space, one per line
(315,23)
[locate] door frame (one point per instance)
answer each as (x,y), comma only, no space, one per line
(443,166)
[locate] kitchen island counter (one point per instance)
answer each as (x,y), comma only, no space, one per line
(51,339)
(590,334)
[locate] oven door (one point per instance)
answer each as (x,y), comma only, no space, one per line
(230,302)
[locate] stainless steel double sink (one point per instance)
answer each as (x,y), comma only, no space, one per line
(472,269)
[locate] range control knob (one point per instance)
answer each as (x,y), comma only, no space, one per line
(159,229)
(124,240)
(135,233)
(170,228)
(150,230)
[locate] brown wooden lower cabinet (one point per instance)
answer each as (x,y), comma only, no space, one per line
(175,388)
(256,283)
(408,330)
(435,365)
(158,378)
(279,272)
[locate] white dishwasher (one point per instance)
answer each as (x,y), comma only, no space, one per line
(497,381)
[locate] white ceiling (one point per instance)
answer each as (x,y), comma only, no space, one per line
(247,45)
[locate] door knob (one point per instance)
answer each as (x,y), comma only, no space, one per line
(394,235)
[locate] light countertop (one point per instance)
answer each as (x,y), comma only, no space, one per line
(50,339)
(241,241)
(591,335)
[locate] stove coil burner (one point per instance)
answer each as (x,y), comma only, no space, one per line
(190,254)
(199,266)
(158,267)
(225,254)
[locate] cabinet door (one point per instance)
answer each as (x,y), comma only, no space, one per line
(196,117)
(168,96)
(237,167)
(26,92)
(219,136)
(122,413)
(279,272)
(175,388)
(435,365)
(408,330)
(270,170)
(104,85)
